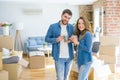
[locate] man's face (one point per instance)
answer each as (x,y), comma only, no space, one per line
(65,18)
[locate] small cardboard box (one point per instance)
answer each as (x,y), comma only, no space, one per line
(109,59)
(109,50)
(1,65)
(109,40)
(4,75)
(37,62)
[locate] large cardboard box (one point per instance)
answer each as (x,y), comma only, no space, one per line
(109,50)
(4,75)
(14,70)
(37,62)
(109,59)
(1,65)
(6,42)
(109,40)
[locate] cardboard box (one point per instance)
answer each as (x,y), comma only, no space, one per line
(109,40)
(37,62)
(6,42)
(13,70)
(115,68)
(1,65)
(4,75)
(109,59)
(109,50)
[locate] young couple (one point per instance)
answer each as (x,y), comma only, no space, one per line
(62,50)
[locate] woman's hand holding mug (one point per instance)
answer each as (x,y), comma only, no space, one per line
(74,39)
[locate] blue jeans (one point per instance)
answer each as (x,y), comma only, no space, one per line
(63,67)
(84,71)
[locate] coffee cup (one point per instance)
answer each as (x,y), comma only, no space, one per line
(65,38)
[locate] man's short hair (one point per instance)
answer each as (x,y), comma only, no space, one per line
(67,11)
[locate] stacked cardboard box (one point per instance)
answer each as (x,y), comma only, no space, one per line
(110,51)
(109,40)
(6,42)
(3,73)
(13,70)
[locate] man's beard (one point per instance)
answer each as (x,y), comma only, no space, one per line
(62,21)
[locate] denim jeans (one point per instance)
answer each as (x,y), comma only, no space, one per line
(63,67)
(84,71)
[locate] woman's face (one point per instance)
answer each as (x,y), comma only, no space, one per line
(81,25)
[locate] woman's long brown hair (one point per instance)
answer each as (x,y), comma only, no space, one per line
(87,27)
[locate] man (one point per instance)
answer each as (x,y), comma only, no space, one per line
(62,50)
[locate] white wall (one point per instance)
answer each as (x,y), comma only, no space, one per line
(35,25)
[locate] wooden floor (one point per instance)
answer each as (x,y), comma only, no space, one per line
(40,74)
(48,73)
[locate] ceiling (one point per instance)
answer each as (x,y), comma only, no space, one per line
(71,2)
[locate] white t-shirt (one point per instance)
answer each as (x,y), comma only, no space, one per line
(64,52)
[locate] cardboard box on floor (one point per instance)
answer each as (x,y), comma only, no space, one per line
(16,68)
(109,50)
(1,65)
(109,59)
(37,62)
(13,69)
(109,40)
(4,75)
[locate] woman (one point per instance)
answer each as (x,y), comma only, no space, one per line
(84,43)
